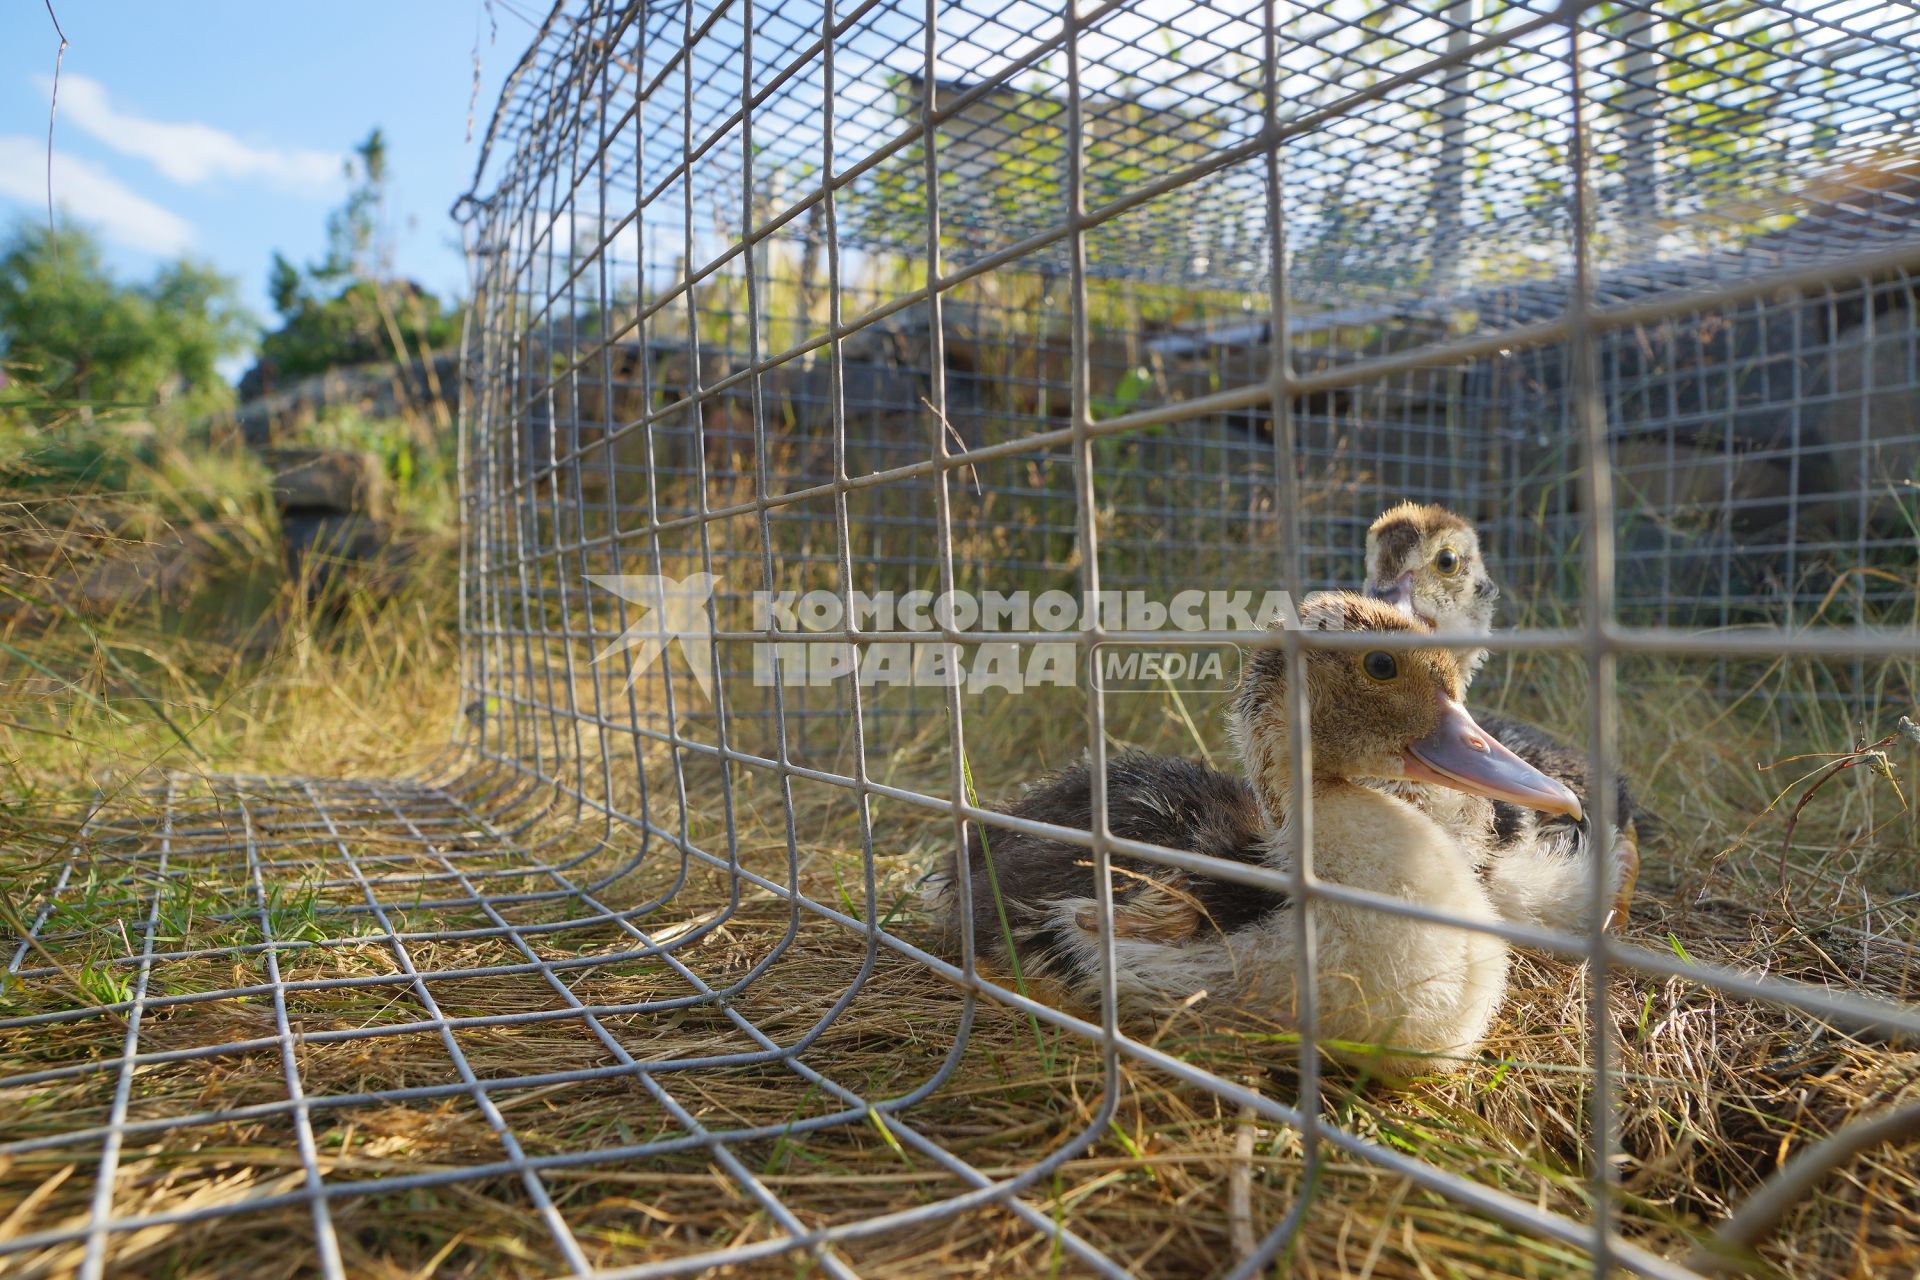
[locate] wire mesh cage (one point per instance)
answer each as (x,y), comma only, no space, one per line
(796,324)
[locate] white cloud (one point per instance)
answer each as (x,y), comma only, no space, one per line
(187,153)
(90,194)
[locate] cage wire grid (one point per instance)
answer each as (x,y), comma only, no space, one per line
(813,296)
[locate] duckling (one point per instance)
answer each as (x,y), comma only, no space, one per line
(1427,561)
(1423,989)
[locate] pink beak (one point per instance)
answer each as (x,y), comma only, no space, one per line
(1462,755)
(1399,594)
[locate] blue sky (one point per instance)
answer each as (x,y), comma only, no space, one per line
(216,129)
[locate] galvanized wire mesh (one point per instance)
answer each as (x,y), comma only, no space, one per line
(992,295)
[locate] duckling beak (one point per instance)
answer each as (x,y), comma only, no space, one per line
(1462,755)
(1398,594)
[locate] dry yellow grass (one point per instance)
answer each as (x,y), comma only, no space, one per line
(1716,1092)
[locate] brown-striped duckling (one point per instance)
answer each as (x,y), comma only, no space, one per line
(1427,561)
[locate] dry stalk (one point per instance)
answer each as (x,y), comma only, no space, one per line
(1872,754)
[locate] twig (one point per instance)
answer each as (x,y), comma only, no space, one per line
(1240,1187)
(473,103)
(947,429)
(1873,753)
(53,107)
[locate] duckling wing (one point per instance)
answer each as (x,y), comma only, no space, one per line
(1154,799)
(1513,823)
(1543,874)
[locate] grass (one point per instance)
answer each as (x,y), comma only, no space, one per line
(239,670)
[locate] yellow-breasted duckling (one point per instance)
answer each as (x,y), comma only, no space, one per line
(1419,989)
(1427,561)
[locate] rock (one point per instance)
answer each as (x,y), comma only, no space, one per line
(258,381)
(269,411)
(335,554)
(327,480)
(98,560)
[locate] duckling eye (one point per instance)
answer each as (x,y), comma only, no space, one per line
(1447,562)
(1380,665)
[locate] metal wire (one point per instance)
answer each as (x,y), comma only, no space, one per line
(842,297)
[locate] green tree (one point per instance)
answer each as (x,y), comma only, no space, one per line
(348,308)
(74,339)
(358,242)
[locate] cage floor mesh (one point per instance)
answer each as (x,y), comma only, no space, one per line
(251,1002)
(415,955)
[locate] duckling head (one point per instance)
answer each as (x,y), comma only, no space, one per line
(1377,713)
(1426,561)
